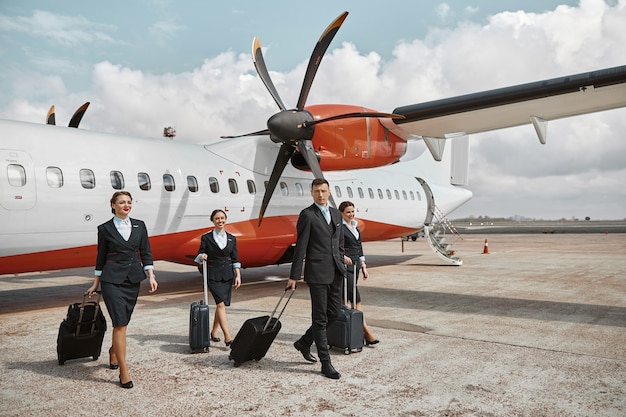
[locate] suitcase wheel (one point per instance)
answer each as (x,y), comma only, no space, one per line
(95,358)
(61,361)
(346,351)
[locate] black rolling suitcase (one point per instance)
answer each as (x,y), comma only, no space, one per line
(199,330)
(82,331)
(347,331)
(256,335)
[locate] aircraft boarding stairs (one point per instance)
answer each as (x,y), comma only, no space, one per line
(441,235)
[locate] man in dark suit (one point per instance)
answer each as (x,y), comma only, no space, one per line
(320,242)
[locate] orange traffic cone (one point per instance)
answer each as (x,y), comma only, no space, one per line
(486,248)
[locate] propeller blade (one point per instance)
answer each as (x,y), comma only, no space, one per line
(284,154)
(351,115)
(50,119)
(259,133)
(316,57)
(78,115)
(261,69)
(306,149)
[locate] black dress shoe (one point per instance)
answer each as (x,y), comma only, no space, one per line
(329,371)
(126,385)
(305,350)
(215,339)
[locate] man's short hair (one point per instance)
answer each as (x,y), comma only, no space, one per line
(319,181)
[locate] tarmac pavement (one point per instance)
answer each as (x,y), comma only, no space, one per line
(537,327)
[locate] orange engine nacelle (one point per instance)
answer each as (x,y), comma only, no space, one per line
(353,143)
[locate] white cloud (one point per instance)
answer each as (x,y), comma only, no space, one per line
(578,173)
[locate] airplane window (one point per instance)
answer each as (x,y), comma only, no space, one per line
(87,179)
(380,194)
(397,194)
(168,182)
(371,192)
(350,194)
(361,195)
(337,191)
(283,189)
(214,185)
(404,194)
(251,187)
(412,195)
(388,194)
(232,184)
(54,175)
(192,184)
(117,180)
(419,196)
(144,181)
(16,175)
(299,190)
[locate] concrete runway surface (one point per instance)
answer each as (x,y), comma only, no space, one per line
(537,327)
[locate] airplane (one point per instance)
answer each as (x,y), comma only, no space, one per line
(55,181)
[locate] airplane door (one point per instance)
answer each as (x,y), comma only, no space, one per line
(17,180)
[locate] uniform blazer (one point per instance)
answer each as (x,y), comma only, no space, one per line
(352,245)
(119,259)
(220,261)
(321,244)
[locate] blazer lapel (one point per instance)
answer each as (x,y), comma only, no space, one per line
(135,231)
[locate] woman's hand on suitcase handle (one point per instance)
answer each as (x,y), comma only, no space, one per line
(91,293)
(93,290)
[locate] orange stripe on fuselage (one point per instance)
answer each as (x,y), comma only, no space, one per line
(257,246)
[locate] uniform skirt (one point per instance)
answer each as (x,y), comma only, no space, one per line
(120,300)
(221,291)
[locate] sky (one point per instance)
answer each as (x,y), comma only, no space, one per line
(147,64)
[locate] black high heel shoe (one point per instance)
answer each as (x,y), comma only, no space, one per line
(126,385)
(230,342)
(373,342)
(215,339)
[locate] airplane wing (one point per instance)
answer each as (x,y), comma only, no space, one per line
(535,103)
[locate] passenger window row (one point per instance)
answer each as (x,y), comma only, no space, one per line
(16,175)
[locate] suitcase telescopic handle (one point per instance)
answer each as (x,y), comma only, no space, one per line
(82,311)
(204,280)
(276,308)
(345,286)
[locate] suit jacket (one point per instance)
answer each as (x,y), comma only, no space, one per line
(220,261)
(321,244)
(119,259)
(352,245)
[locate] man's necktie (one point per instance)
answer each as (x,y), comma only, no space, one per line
(326,214)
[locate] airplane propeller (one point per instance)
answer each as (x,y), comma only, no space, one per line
(74,121)
(294,128)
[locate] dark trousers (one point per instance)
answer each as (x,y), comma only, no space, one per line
(325,305)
